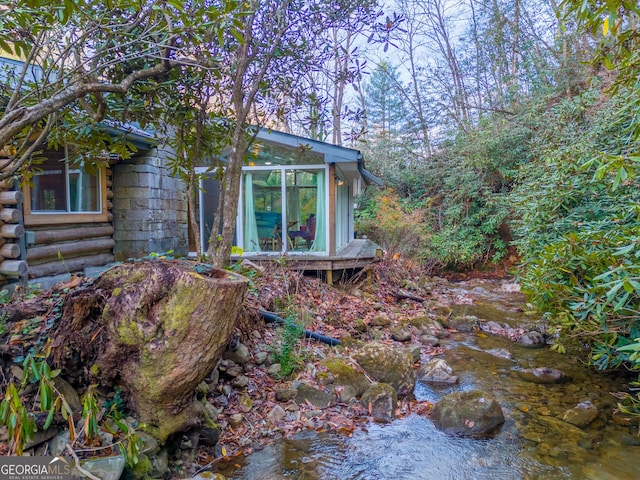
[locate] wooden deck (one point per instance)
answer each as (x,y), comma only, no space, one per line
(359,253)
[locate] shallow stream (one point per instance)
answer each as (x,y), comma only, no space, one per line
(532,444)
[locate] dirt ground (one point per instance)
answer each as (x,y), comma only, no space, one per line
(397,289)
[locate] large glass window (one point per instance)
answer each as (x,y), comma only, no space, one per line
(263,211)
(266,154)
(284,210)
(302,202)
(61,188)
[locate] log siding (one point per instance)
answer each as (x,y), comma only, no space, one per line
(67,243)
(12,266)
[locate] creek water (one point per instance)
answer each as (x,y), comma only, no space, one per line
(534,443)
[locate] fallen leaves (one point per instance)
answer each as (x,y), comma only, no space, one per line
(400,291)
(332,311)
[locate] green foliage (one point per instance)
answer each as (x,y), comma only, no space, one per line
(14,415)
(288,353)
(168,255)
(20,422)
(614,24)
(384,100)
(465,219)
(129,444)
(20,419)
(116,404)
(630,404)
(127,50)
(247,272)
(90,413)
(5,297)
(579,227)
(3,323)
(451,209)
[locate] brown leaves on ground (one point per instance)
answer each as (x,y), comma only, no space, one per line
(336,311)
(398,289)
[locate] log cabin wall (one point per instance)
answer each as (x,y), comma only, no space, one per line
(12,265)
(55,247)
(149,207)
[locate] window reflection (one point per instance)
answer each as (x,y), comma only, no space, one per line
(57,188)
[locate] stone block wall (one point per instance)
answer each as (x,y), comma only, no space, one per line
(149,208)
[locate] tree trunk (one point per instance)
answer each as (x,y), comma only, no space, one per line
(220,248)
(341,67)
(156,329)
(192,182)
(194,225)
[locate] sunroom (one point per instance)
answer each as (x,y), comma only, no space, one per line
(296,198)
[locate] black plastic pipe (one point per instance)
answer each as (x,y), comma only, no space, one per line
(270,317)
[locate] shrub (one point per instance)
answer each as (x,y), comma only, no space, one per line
(579,228)
(395,225)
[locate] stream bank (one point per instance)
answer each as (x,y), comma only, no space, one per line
(537,439)
(315,423)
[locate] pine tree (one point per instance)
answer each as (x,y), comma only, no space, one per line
(385,103)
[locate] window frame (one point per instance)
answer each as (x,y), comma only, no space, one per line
(42,217)
(284,168)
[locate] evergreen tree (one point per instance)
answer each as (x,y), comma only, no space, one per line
(384,102)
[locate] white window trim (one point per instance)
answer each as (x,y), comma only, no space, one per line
(67,187)
(239,226)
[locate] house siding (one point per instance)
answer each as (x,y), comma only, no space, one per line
(11,233)
(64,243)
(149,208)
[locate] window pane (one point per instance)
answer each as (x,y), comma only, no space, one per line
(49,193)
(267,208)
(302,198)
(266,154)
(83,191)
(49,187)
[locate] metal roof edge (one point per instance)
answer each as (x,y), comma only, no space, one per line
(337,152)
(369,178)
(141,139)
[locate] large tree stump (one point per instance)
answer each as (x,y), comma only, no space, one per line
(156,329)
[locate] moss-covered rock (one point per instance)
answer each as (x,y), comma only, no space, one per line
(472,413)
(381,320)
(428,326)
(380,400)
(361,326)
(388,365)
(311,395)
(464,323)
(344,374)
(401,334)
(139,470)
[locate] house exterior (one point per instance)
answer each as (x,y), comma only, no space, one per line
(296,199)
(73,220)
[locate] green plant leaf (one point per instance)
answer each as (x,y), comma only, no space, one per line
(49,419)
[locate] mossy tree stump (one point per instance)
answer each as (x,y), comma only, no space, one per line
(156,329)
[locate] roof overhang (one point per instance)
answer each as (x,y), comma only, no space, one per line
(332,153)
(349,160)
(143,140)
(369,178)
